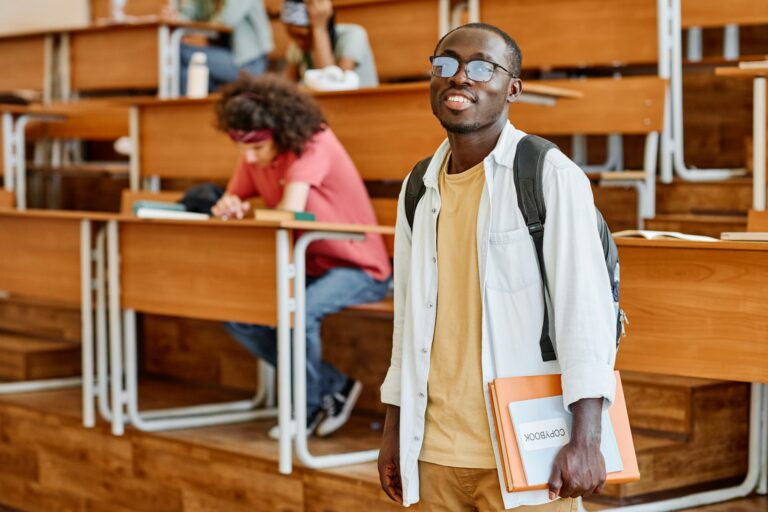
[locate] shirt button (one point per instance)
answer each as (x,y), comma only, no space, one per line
(434,210)
(424,351)
(415,438)
(421,395)
(429,305)
(434,260)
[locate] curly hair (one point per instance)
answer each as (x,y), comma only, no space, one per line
(269,101)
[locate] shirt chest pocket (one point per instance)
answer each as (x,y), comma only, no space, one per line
(512,263)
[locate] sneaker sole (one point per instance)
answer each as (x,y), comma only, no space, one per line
(331,425)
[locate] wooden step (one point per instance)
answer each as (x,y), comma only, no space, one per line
(46,319)
(25,358)
(661,404)
(51,462)
(728,196)
(116,169)
(700,441)
(708,225)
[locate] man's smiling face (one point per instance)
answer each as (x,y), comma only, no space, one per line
(461,104)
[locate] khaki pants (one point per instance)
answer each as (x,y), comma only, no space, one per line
(447,489)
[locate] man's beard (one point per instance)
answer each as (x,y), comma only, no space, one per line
(461,128)
(464,128)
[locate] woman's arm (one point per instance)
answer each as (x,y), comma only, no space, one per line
(320,11)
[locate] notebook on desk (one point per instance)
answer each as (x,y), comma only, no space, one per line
(510,394)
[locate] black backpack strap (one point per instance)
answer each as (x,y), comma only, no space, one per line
(528,165)
(415,189)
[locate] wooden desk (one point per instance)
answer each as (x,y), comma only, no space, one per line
(696,309)
(218,270)
(399,131)
(759,138)
(132,55)
(48,255)
(27,61)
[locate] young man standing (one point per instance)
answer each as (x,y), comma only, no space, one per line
(469,299)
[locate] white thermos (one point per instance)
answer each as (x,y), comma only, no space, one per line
(197,76)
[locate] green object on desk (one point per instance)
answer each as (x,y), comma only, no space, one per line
(158,205)
(304,216)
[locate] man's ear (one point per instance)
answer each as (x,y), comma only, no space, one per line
(514,90)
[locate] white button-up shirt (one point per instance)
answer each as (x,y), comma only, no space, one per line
(582,314)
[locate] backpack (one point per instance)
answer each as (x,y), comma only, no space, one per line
(527,167)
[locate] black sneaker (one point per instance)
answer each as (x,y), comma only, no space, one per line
(338,407)
(313,420)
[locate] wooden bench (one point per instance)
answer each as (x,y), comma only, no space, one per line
(398,114)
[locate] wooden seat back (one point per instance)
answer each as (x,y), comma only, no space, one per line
(102,9)
(87,120)
(628,105)
(386,215)
(23,59)
(716,13)
(402,33)
(578,33)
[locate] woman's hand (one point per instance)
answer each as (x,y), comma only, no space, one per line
(230,207)
(320,11)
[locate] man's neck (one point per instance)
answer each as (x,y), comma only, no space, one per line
(469,149)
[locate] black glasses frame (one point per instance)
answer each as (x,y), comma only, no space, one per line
(466,67)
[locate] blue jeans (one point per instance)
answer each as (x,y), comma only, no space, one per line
(221,67)
(333,291)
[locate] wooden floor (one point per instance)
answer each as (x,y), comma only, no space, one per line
(48,461)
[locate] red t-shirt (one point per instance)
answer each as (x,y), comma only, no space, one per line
(336,194)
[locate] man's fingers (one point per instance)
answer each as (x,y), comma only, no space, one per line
(390,483)
(555,483)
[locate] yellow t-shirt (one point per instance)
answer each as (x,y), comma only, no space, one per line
(456,431)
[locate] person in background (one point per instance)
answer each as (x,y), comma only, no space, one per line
(291,158)
(251,39)
(318,42)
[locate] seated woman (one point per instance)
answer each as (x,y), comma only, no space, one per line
(319,42)
(251,39)
(291,158)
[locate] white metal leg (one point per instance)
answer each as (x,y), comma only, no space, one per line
(474,11)
(762,485)
(443,17)
(285,306)
(64,66)
(116,361)
(180,417)
(758,143)
(164,61)
(48,65)
(579,151)
(676,83)
(134,171)
(756,445)
(102,364)
(731,42)
(9,159)
(300,363)
(456,13)
(695,52)
(86,317)
(20,156)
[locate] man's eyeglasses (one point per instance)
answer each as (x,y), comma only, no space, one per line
(478,70)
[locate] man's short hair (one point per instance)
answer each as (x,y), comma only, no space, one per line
(514,55)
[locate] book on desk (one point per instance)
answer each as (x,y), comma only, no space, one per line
(526,405)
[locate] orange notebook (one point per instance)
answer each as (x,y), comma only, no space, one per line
(515,389)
